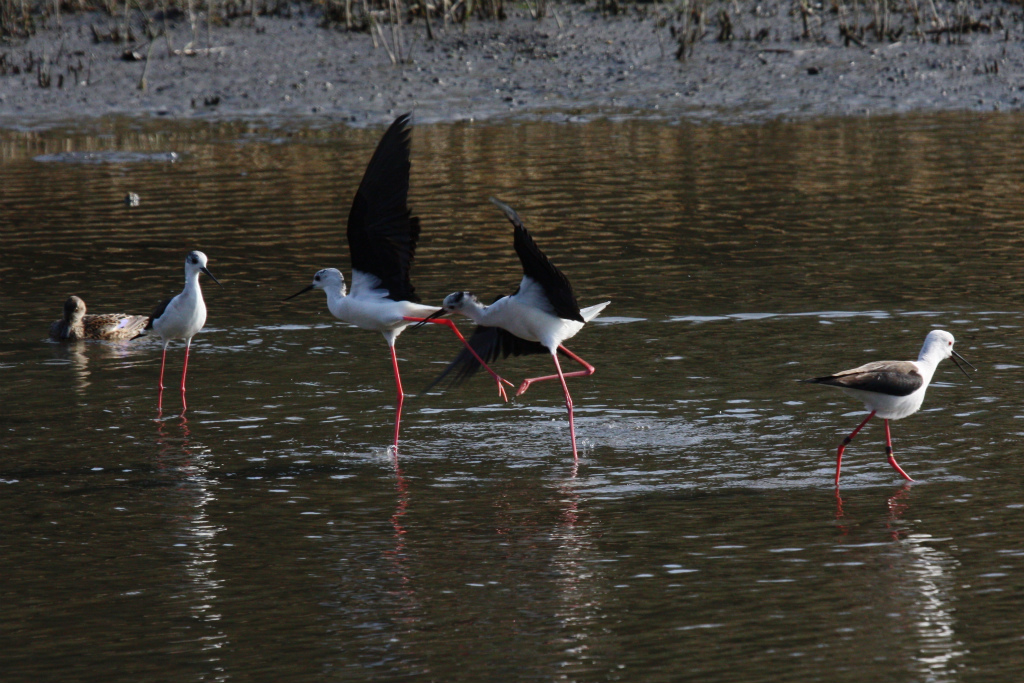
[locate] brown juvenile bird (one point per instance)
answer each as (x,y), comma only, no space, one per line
(76,325)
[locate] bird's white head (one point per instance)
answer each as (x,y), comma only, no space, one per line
(938,342)
(74,310)
(938,345)
(329,279)
(457,301)
(195,263)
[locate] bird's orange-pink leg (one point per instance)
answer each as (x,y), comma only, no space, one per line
(451,325)
(888,454)
(160,399)
(846,442)
(587,370)
(184,371)
(568,406)
(401,394)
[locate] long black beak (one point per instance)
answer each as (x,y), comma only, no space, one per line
(301,291)
(211,275)
(436,314)
(957,358)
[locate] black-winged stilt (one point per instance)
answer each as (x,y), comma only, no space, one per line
(893,389)
(536,318)
(76,325)
(181,317)
(382,235)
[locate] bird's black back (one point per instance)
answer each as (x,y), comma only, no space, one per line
(157,312)
(382,232)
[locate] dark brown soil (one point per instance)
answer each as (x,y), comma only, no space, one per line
(573,64)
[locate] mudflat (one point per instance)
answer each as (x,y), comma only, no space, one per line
(763,61)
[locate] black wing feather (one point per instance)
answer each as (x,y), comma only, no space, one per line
(382,232)
(490,343)
(537,267)
(881,380)
(157,312)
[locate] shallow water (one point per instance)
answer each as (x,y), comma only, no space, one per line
(270,535)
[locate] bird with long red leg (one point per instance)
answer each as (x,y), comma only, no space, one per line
(536,318)
(181,317)
(382,235)
(893,389)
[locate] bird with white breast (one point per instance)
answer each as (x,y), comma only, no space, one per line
(893,389)
(536,318)
(181,317)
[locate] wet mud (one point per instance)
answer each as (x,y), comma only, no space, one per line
(573,64)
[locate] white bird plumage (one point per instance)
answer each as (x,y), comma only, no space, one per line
(382,235)
(892,389)
(181,317)
(527,314)
(539,316)
(367,305)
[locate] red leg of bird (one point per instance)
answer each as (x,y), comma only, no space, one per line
(401,395)
(888,454)
(587,370)
(160,400)
(568,405)
(184,371)
(846,442)
(451,325)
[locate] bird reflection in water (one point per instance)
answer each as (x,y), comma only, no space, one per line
(74,354)
(407,605)
(893,504)
(78,354)
(195,534)
(578,582)
(923,576)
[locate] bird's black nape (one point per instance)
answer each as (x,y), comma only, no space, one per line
(382,232)
(537,267)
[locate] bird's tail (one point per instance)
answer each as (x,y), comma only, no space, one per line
(591,312)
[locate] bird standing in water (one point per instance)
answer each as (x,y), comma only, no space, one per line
(181,317)
(382,235)
(893,389)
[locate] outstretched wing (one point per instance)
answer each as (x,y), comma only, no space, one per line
(382,232)
(536,266)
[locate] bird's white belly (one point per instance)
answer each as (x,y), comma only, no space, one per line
(532,324)
(379,314)
(890,407)
(181,319)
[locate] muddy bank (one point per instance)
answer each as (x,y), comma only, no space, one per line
(572,64)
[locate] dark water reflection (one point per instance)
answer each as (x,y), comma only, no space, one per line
(272,537)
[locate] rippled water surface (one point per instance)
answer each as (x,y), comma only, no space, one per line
(272,537)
